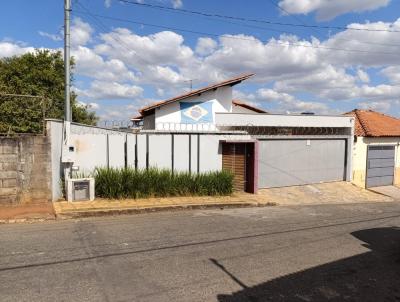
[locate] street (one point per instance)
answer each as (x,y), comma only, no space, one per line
(296,253)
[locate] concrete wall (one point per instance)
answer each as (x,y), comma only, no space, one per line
(168,117)
(25,170)
(360,157)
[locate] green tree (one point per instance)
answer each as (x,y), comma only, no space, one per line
(40,73)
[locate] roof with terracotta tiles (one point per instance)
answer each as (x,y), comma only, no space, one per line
(374,124)
(247,106)
(229,82)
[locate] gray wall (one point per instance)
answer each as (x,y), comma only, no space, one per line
(302,161)
(25,172)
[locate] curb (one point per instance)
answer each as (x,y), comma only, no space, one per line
(128,211)
(26,220)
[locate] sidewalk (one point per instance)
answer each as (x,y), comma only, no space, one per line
(101,207)
(326,193)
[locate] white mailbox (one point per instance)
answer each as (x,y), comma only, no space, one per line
(80,189)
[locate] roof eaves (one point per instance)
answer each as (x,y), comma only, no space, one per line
(247,106)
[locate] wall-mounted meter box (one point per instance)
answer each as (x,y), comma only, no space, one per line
(68,154)
(80,189)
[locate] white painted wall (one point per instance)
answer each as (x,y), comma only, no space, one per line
(130,150)
(141,150)
(55,131)
(360,156)
(168,116)
(283,120)
(160,151)
(210,153)
(92,151)
(181,151)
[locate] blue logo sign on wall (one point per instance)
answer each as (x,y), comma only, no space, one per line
(192,113)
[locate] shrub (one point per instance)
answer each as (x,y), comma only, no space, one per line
(117,183)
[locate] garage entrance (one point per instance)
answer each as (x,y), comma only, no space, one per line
(239,158)
(380,166)
(289,162)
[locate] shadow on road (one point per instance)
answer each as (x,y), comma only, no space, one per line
(372,276)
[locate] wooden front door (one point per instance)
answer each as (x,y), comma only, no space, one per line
(234,159)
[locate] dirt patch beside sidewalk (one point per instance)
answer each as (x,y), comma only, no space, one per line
(20,213)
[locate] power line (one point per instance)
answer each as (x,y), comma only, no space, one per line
(161,7)
(277,43)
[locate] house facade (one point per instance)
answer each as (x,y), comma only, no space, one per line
(376,147)
(195,110)
(263,150)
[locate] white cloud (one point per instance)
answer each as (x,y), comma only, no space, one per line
(80,32)
(90,64)
(177,3)
(382,106)
(287,102)
(9,49)
(159,58)
(329,9)
(392,73)
(205,46)
(110,90)
(107,3)
(54,37)
(363,47)
(363,76)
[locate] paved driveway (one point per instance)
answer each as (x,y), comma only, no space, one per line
(294,253)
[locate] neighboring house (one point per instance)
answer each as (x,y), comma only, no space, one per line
(195,110)
(376,146)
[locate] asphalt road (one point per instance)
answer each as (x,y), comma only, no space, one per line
(298,253)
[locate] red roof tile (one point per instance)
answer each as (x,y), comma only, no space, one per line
(247,106)
(232,82)
(374,124)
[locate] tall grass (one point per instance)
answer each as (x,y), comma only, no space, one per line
(118,183)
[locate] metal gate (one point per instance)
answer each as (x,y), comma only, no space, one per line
(301,161)
(380,166)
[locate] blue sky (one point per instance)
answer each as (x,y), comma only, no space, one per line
(123,65)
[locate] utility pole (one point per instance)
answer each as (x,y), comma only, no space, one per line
(67,46)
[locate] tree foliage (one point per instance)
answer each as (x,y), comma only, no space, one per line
(40,74)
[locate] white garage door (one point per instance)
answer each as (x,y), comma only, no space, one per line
(300,161)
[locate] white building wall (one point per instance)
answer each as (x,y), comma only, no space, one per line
(360,157)
(116,155)
(55,131)
(130,150)
(168,117)
(141,150)
(210,153)
(160,151)
(181,152)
